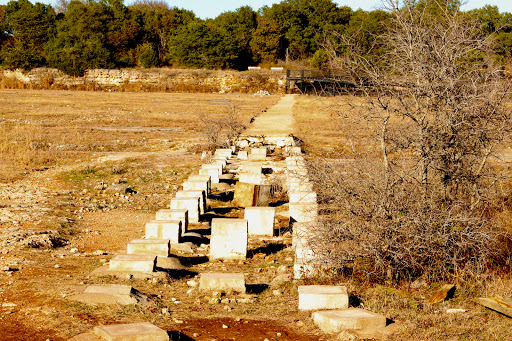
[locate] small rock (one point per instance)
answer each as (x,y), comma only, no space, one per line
(225,327)
(279,334)
(277,293)
(177,321)
(455,311)
(73,250)
(56,266)
(8,305)
(165,311)
(192,283)
(227,308)
(196,335)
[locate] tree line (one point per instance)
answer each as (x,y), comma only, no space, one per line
(77,35)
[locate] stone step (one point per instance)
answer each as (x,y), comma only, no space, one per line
(157,247)
(228,239)
(201,194)
(322,297)
(164,229)
(260,220)
(142,331)
(175,214)
(136,263)
(335,321)
(190,204)
(222,282)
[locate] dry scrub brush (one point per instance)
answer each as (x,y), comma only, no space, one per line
(221,130)
(422,201)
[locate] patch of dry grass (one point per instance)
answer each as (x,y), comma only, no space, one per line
(47,128)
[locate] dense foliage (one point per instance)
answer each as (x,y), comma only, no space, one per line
(78,35)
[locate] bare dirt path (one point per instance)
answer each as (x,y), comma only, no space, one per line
(276,121)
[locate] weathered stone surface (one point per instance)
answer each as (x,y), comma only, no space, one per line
(260,220)
(222,282)
(244,194)
(242,155)
(86,337)
(138,263)
(303,212)
(202,178)
(190,204)
(176,214)
(197,185)
(499,304)
(258,154)
(250,178)
(334,321)
(252,167)
(201,194)
(213,172)
(157,247)
(302,197)
(109,294)
(143,331)
(442,293)
(164,229)
(224,152)
(315,297)
(228,239)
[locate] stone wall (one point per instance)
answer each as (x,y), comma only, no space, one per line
(164,79)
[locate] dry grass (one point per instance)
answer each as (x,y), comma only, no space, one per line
(46,128)
(326,136)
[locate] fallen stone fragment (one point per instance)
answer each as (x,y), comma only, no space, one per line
(335,321)
(455,311)
(134,331)
(499,304)
(443,293)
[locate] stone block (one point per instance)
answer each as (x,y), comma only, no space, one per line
(177,214)
(335,321)
(201,194)
(108,294)
(244,194)
(158,247)
(228,239)
(205,178)
(213,172)
(302,196)
(260,220)
(322,297)
(164,229)
(262,195)
(225,152)
(136,263)
(252,167)
(242,155)
(303,212)
(190,204)
(250,178)
(142,331)
(222,282)
(258,154)
(196,185)
(213,165)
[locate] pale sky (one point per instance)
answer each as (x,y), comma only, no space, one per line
(210,8)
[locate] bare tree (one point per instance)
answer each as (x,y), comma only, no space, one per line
(435,105)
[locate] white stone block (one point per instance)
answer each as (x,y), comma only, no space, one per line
(196,185)
(158,247)
(322,297)
(300,196)
(142,331)
(228,239)
(222,282)
(258,154)
(213,172)
(303,212)
(202,178)
(226,152)
(213,165)
(190,204)
(260,220)
(177,214)
(335,321)
(136,263)
(242,155)
(252,167)
(164,229)
(192,194)
(250,178)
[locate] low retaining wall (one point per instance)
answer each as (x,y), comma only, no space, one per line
(162,80)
